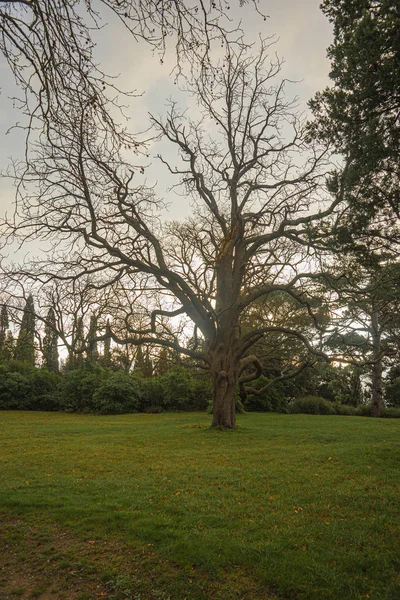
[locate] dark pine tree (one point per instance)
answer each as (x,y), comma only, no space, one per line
(148,365)
(139,361)
(163,363)
(107,346)
(92,350)
(50,343)
(25,347)
(3,331)
(79,343)
(9,347)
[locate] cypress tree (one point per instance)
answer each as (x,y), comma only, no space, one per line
(25,348)
(107,346)
(139,360)
(50,343)
(163,364)
(148,365)
(3,330)
(9,347)
(92,351)
(79,342)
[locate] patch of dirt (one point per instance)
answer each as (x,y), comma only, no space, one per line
(47,565)
(45,561)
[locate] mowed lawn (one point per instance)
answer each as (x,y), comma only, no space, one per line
(160,506)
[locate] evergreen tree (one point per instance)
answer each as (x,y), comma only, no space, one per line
(92,351)
(139,360)
(79,343)
(148,365)
(357,395)
(25,348)
(3,330)
(359,113)
(9,347)
(107,346)
(163,363)
(50,343)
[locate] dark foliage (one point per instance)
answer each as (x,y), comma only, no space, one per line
(119,393)
(23,387)
(273,399)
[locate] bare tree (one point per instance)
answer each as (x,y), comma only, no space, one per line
(50,45)
(255,183)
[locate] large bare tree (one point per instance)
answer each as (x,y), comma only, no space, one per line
(50,47)
(256,185)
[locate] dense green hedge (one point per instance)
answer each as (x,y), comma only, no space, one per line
(98,390)
(316,405)
(24,387)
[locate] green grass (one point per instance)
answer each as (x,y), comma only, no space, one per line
(160,506)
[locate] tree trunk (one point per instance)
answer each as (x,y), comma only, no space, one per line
(377,395)
(225,375)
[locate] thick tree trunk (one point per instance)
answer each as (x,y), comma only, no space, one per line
(377,394)
(224,390)
(225,375)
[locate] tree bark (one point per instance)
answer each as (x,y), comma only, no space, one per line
(225,376)
(377,394)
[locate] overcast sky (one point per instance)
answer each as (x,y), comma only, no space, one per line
(303,34)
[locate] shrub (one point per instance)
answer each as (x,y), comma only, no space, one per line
(202,393)
(391,412)
(119,393)
(345,409)
(312,405)
(392,392)
(46,390)
(15,391)
(272,400)
(24,387)
(152,394)
(179,389)
(78,387)
(364,410)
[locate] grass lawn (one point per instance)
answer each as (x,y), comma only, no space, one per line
(161,507)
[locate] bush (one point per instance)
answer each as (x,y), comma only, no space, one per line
(119,393)
(392,392)
(181,391)
(46,390)
(391,412)
(312,405)
(24,387)
(272,400)
(202,393)
(152,395)
(364,410)
(345,409)
(15,391)
(78,388)
(178,389)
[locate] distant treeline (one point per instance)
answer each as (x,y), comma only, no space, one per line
(115,382)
